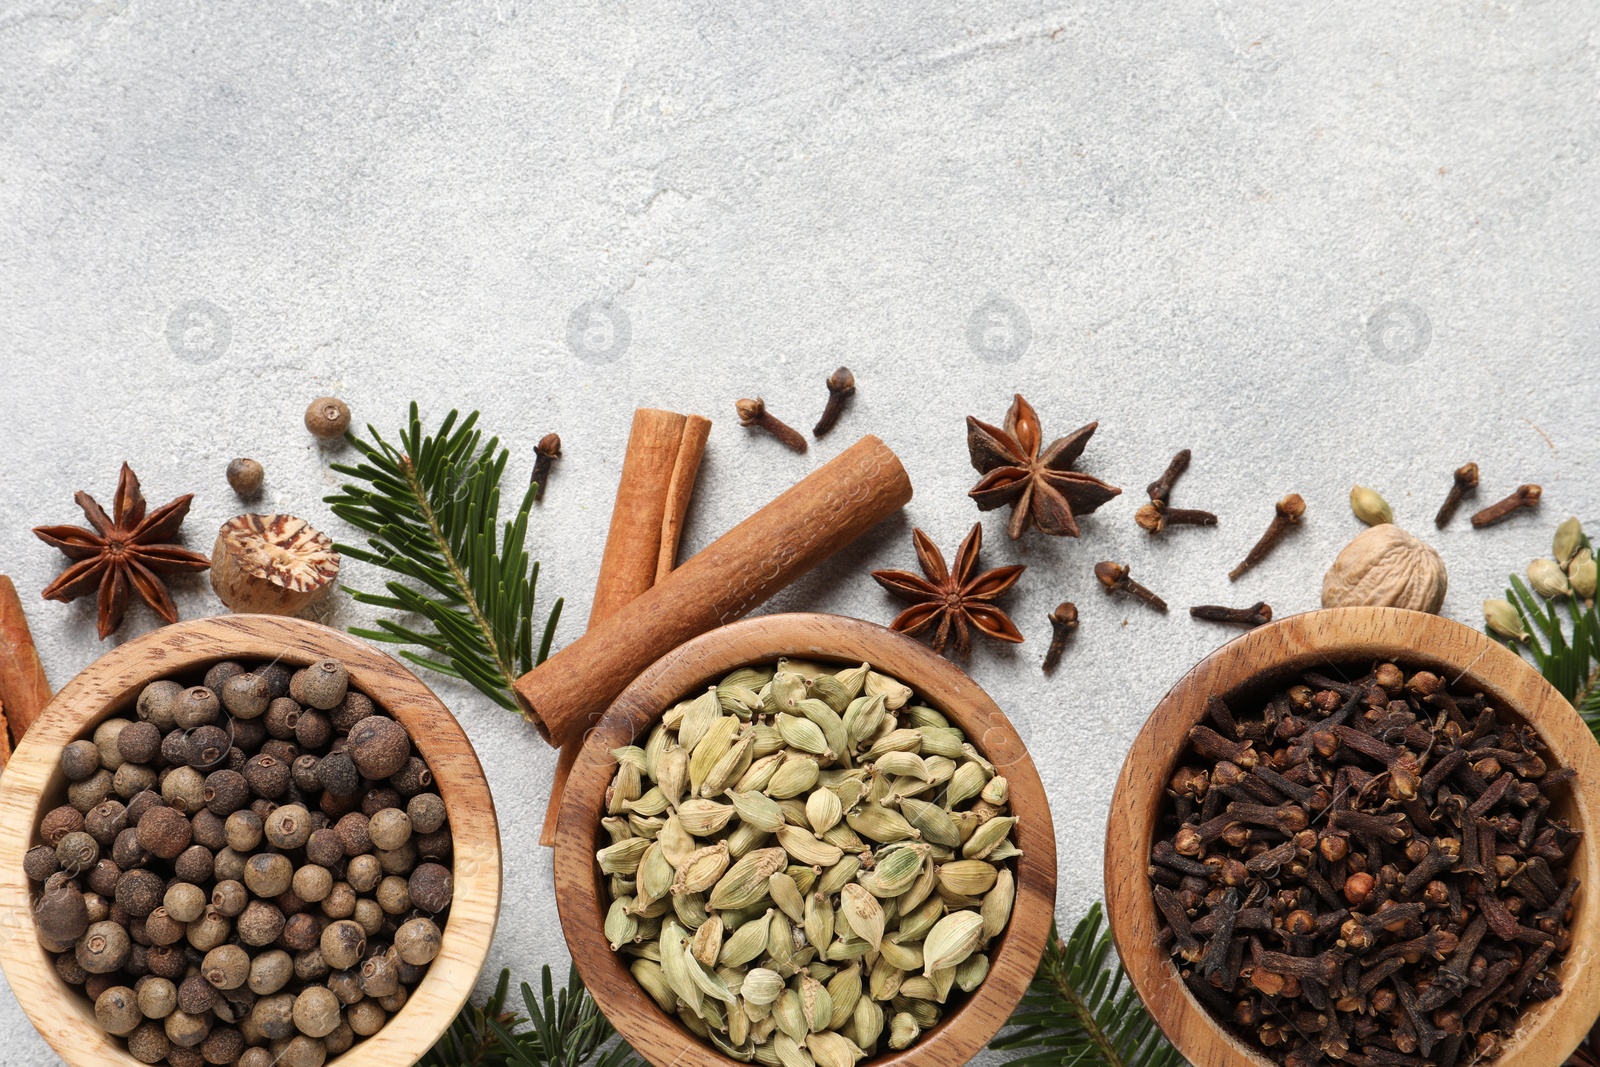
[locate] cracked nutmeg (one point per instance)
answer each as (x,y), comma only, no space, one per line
(1041,487)
(126,550)
(273,564)
(952,601)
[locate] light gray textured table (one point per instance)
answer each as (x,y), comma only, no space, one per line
(1326,244)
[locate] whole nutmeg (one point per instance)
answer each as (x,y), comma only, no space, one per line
(316,1011)
(288,827)
(62,913)
(226,966)
(322,685)
(158,703)
(343,944)
(431,887)
(79,760)
(117,1011)
(379,747)
(267,874)
(1386,567)
(148,1043)
(327,418)
(196,706)
(244,477)
(164,832)
(103,948)
(417,941)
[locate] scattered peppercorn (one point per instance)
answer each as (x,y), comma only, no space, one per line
(379,746)
(244,477)
(327,418)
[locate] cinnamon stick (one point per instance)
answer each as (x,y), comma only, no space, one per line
(24,690)
(658,476)
(825,511)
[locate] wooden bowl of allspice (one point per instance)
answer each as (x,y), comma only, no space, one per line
(832,839)
(245,840)
(1361,835)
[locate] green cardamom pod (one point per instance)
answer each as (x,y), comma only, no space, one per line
(806,849)
(698,716)
(622,857)
(819,920)
(933,821)
(866,1022)
(703,818)
(787,896)
(756,809)
(745,944)
(762,986)
(831,1049)
(971,972)
(845,989)
(648,974)
(621,927)
(883,825)
(864,914)
(952,939)
(746,881)
(823,810)
(997,902)
(986,838)
(797,775)
(702,870)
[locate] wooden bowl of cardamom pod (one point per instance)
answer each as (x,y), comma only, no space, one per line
(33,783)
(1325,648)
(989,979)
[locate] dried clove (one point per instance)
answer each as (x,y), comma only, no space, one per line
(1286,513)
(1157,515)
(1465,481)
(1257,614)
(1114,576)
(1526,496)
(755,413)
(546,453)
(1063,624)
(841,387)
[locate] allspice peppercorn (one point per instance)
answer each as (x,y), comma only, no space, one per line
(194,864)
(327,418)
(157,997)
(266,776)
(208,747)
(288,827)
(393,896)
(186,1029)
(273,1016)
(183,788)
(301,931)
(196,706)
(225,792)
(379,747)
(105,739)
(62,913)
(378,976)
(389,829)
(79,760)
(366,1017)
(157,704)
(105,821)
(343,943)
(209,931)
(260,925)
(164,832)
(117,1011)
(363,873)
(59,822)
(226,966)
(244,477)
(304,1051)
(413,778)
(184,903)
(92,790)
(266,874)
(316,1011)
(340,903)
(224,1045)
(351,710)
(426,812)
(77,852)
(103,948)
(431,887)
(148,1043)
(270,972)
(322,685)
(312,882)
(243,830)
(39,862)
(139,742)
(160,928)
(417,941)
(282,715)
(368,916)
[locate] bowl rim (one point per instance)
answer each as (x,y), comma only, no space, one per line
(1340,636)
(109,685)
(829,638)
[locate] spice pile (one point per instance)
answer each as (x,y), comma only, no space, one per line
(254,871)
(1368,871)
(846,882)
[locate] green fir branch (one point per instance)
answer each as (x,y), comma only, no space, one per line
(1081,1009)
(561,1028)
(431,510)
(1563,641)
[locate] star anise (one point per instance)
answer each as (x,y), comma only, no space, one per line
(954,600)
(1041,488)
(125,550)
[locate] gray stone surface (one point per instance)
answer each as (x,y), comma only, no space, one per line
(1319,245)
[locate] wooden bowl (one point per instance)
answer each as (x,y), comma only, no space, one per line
(1248,666)
(581,890)
(32,784)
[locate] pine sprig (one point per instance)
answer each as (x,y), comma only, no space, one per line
(1081,1009)
(562,1028)
(431,508)
(1567,656)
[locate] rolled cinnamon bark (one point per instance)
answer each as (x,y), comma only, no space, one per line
(826,510)
(24,690)
(658,476)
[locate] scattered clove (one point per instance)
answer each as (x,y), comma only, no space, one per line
(1286,513)
(1326,901)
(1114,576)
(1526,496)
(546,452)
(754,413)
(1257,614)
(1160,490)
(841,387)
(1156,516)
(1466,481)
(1063,624)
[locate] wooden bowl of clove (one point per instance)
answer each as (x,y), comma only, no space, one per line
(1256,973)
(581,887)
(33,784)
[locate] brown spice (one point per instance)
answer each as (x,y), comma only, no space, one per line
(1040,487)
(952,601)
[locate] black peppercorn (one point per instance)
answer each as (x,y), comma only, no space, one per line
(379,747)
(164,832)
(266,776)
